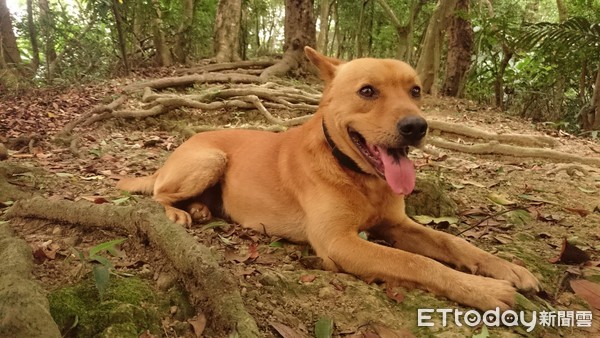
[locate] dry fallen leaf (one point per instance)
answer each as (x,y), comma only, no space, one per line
(44,251)
(588,291)
(570,254)
(198,322)
(500,199)
(286,331)
(252,252)
(580,212)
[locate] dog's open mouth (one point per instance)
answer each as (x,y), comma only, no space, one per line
(392,164)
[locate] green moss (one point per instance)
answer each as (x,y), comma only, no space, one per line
(525,237)
(430,197)
(127,309)
(177,296)
(124,330)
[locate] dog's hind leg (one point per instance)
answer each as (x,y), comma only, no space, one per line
(185,175)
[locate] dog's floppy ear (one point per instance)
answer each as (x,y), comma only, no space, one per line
(325,64)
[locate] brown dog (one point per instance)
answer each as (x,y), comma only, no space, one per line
(342,172)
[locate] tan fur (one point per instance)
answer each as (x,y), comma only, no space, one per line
(290,185)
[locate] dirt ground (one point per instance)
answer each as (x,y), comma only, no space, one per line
(278,281)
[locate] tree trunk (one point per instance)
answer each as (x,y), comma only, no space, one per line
(31,27)
(590,114)
(358,43)
(8,42)
(323,38)
(47,30)
(428,65)
(227,31)
(299,32)
(499,82)
(460,48)
(335,45)
(562,11)
(163,54)
(119,25)
(561,80)
(183,36)
(404,31)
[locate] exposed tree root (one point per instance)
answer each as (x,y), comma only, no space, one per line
(291,122)
(217,67)
(24,311)
(210,286)
(274,128)
(289,61)
(107,108)
(242,91)
(518,139)
(494,147)
(571,169)
(188,80)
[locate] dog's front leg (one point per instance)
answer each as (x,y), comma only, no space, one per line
(338,244)
(405,234)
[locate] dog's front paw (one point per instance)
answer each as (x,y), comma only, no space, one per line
(519,276)
(483,293)
(178,216)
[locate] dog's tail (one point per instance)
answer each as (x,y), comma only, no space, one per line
(137,184)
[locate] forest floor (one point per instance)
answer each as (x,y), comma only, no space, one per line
(282,290)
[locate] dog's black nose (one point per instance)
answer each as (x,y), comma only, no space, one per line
(412,128)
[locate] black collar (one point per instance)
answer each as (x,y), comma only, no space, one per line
(343,159)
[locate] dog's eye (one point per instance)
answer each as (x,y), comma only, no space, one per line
(415,91)
(367,92)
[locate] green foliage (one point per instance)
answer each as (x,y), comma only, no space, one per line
(491,32)
(543,79)
(324,327)
(84,36)
(576,32)
(101,266)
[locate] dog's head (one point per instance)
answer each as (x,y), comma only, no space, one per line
(371,110)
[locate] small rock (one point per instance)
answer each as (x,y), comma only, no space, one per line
(280,316)
(72,241)
(165,281)
(173,309)
(57,231)
(145,272)
(269,279)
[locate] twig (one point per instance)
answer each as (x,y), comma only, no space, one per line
(485,219)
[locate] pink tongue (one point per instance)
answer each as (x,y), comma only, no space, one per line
(400,175)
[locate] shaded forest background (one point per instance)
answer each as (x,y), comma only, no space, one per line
(537,58)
